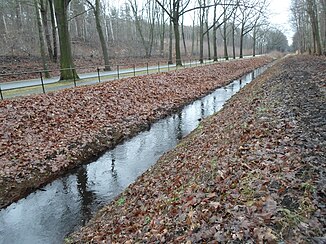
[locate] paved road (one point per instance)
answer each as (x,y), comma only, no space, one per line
(87,78)
(113,74)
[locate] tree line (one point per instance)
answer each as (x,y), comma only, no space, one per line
(309,21)
(171,28)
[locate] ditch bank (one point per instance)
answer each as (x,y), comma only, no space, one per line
(67,203)
(254,172)
(45,136)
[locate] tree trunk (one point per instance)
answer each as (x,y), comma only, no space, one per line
(241,42)
(254,43)
(101,36)
(162,33)
(183,37)
(323,24)
(233,36)
(215,57)
(41,38)
(170,43)
(46,28)
(138,27)
(208,39)
(215,37)
(201,36)
(67,71)
(19,22)
(178,61)
(110,30)
(54,32)
(3,27)
(313,14)
(226,55)
(151,34)
(208,43)
(193,37)
(77,8)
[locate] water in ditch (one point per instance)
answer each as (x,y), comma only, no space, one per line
(49,214)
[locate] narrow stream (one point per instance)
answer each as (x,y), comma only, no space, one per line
(48,215)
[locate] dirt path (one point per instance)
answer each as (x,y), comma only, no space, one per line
(45,136)
(253,173)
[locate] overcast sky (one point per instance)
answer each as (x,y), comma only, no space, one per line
(279,15)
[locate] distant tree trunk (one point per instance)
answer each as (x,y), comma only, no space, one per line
(105,52)
(241,41)
(101,36)
(162,32)
(78,7)
(208,37)
(170,43)
(3,26)
(313,14)
(177,8)
(201,34)
(54,32)
(183,36)
(215,58)
(151,31)
(110,27)
(67,71)
(249,20)
(43,8)
(193,36)
(41,37)
(254,42)
(323,25)
(138,27)
(233,36)
(19,22)
(226,55)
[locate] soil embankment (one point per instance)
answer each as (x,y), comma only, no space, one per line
(44,136)
(254,172)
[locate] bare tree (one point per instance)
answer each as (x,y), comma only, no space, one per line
(147,43)
(97,13)
(41,36)
(162,30)
(183,36)
(313,15)
(176,10)
(43,6)
(249,16)
(227,10)
(310,24)
(201,16)
(207,32)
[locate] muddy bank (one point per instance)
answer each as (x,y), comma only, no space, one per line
(47,135)
(255,172)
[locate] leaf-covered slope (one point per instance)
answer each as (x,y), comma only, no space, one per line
(43,136)
(253,173)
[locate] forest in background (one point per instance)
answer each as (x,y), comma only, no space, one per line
(103,30)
